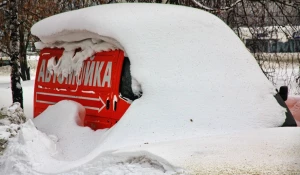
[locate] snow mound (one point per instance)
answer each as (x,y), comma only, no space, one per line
(123,163)
(10,120)
(28,149)
(72,141)
(34,152)
(208,76)
(198,78)
(12,115)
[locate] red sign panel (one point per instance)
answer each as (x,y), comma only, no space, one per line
(96,87)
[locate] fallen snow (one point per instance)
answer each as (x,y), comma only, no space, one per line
(10,120)
(136,87)
(205,101)
(179,82)
(74,141)
(27,150)
(65,65)
(34,152)
(262,151)
(6,97)
(206,155)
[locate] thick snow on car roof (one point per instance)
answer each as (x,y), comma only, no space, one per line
(197,77)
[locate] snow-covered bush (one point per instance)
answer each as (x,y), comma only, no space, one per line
(10,120)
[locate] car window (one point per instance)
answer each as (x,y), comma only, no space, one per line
(125,84)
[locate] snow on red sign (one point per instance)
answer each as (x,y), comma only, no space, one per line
(96,87)
(90,76)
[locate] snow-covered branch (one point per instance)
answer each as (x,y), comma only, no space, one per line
(3,3)
(293,4)
(5,52)
(200,5)
(226,8)
(231,6)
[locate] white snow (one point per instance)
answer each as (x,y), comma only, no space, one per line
(75,141)
(19,86)
(187,73)
(65,65)
(226,154)
(263,151)
(6,97)
(206,106)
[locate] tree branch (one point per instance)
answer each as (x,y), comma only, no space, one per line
(222,9)
(5,52)
(2,4)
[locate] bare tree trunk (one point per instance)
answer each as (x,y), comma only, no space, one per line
(25,75)
(23,43)
(17,92)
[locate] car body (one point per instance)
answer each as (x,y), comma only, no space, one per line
(208,76)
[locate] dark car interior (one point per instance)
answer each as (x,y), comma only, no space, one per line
(125,83)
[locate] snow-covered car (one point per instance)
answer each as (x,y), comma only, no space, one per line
(206,106)
(93,68)
(103,85)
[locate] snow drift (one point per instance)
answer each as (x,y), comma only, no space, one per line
(33,152)
(10,120)
(198,79)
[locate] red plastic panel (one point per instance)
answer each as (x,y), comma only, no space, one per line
(96,87)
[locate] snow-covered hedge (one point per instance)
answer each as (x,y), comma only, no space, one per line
(10,120)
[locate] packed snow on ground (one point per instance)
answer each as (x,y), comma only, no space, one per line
(6,97)
(32,63)
(220,154)
(206,105)
(10,120)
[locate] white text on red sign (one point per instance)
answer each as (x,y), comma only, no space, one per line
(90,75)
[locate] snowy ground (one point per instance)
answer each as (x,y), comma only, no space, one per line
(5,91)
(33,152)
